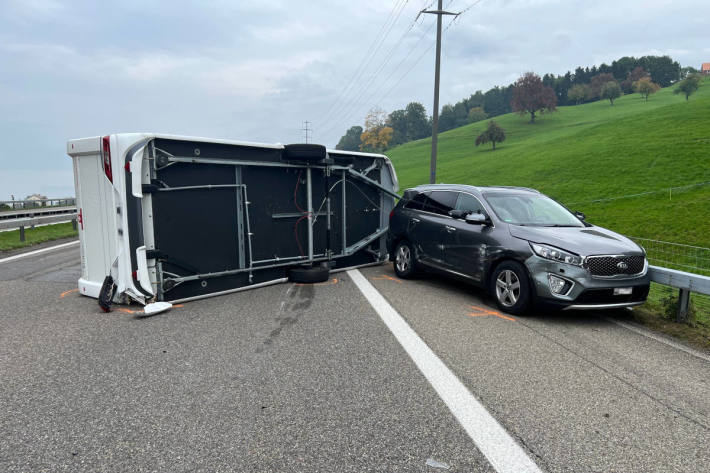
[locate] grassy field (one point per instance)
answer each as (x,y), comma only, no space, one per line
(593,151)
(11,239)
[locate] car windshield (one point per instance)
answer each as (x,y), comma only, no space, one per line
(531,209)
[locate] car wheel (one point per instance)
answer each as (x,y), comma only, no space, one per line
(511,288)
(404,260)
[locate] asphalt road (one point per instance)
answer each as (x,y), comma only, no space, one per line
(309,378)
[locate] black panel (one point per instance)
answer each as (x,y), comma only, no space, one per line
(198,229)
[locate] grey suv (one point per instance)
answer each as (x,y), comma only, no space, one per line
(517,243)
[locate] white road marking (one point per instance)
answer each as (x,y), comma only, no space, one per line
(499,448)
(659,338)
(35,252)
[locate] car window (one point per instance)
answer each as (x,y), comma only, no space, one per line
(531,209)
(469,203)
(417,202)
(441,202)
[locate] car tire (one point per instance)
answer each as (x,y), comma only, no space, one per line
(304,152)
(510,287)
(309,275)
(405,261)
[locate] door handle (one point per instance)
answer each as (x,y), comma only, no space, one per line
(415,220)
(450,229)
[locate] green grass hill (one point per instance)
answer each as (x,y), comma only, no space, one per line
(593,151)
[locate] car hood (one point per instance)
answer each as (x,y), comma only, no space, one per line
(584,241)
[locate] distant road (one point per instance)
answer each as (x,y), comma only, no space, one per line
(310,378)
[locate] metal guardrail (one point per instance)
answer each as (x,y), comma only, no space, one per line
(22,223)
(684,282)
(35,203)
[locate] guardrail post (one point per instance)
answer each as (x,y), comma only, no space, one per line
(22,233)
(73,224)
(683,305)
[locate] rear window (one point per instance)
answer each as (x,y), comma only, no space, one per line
(416,203)
(441,202)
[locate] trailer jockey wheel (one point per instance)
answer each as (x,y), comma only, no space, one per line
(108,290)
(309,275)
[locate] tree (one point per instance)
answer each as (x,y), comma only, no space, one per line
(611,90)
(663,70)
(688,85)
(476,114)
(645,87)
(397,120)
(596,84)
(493,134)
(578,93)
(350,141)
(638,73)
(686,71)
(377,134)
(531,96)
(418,125)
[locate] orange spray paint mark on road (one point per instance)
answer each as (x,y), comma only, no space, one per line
(481,311)
(388,278)
(66,293)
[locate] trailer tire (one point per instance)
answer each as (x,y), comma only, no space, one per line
(304,152)
(309,275)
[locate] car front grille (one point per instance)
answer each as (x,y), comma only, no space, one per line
(607,266)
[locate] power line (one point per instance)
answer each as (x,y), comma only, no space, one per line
(358,90)
(369,54)
(375,75)
(354,104)
(351,106)
(346,116)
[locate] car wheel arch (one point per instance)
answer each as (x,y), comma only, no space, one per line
(488,279)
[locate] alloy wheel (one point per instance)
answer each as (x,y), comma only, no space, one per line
(403,259)
(507,288)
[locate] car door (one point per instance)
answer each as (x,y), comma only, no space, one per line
(427,223)
(465,243)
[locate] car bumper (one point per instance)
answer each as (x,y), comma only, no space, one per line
(586,292)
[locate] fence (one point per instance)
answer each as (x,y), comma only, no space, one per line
(7,205)
(685,268)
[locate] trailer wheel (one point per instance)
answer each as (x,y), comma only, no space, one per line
(304,152)
(309,275)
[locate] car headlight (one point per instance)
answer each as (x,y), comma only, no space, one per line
(556,254)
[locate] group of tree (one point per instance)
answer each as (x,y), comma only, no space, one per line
(643,75)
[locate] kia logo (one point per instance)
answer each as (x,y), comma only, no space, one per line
(622,265)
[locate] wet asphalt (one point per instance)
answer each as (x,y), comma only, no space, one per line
(308,378)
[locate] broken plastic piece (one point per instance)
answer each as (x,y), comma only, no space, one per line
(436,464)
(156,308)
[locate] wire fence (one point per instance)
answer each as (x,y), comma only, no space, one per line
(688,258)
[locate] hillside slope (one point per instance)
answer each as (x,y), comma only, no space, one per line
(589,152)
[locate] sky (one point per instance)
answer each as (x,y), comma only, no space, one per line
(257,70)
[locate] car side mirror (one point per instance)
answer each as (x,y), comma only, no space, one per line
(580,215)
(456,213)
(478,219)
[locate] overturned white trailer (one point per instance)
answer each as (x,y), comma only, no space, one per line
(174,218)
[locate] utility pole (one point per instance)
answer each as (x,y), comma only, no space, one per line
(305,130)
(435,125)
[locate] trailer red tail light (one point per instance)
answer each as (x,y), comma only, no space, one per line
(391,213)
(106,155)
